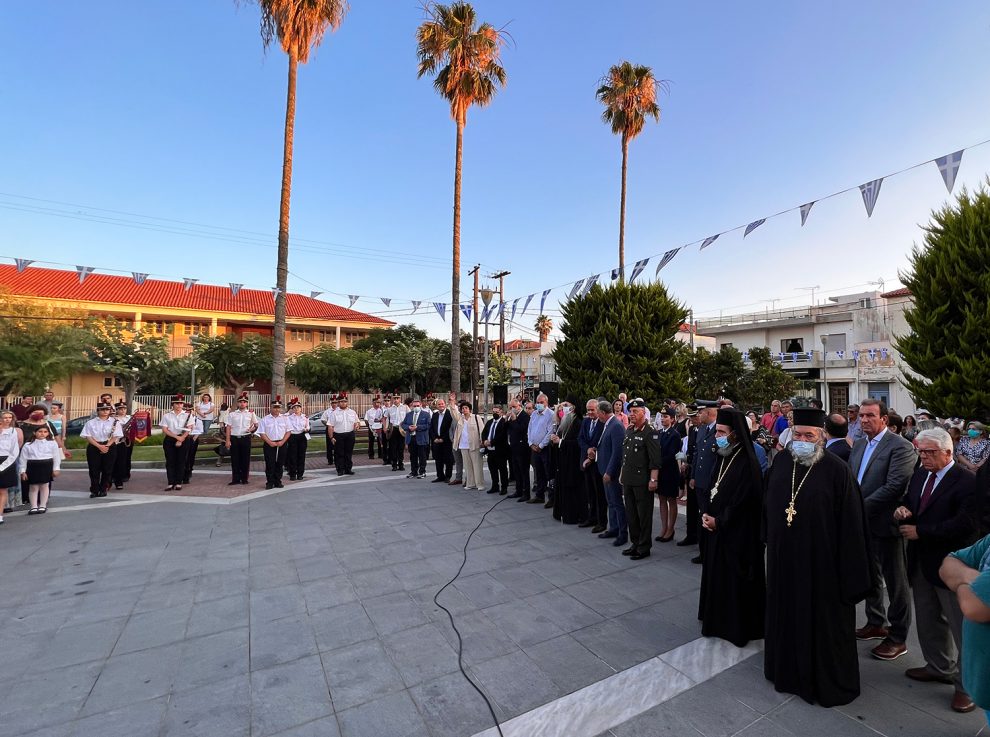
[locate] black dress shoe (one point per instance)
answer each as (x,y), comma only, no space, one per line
(598,528)
(102,494)
(503,493)
(269,486)
(348,473)
(233,483)
(535,500)
(629,551)
(619,542)
(244,482)
(523,499)
(696,559)
(493,490)
(639,556)
(438,480)
(686,542)
(299,477)
(514,496)
(662,539)
(607,534)
(586,523)
(549,504)
(410,475)
(279,485)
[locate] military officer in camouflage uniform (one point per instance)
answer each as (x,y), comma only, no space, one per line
(640,470)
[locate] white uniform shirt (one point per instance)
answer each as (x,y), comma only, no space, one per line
(240,422)
(9,447)
(100,430)
(298,424)
(274,428)
(327,413)
(396,414)
(343,420)
(197,427)
(123,420)
(177,423)
(39,450)
(373,418)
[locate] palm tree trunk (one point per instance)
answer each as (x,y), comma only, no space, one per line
(455,281)
(622,212)
(282,267)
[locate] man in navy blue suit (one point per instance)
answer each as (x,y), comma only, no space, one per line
(704,458)
(609,460)
(417,429)
(595,508)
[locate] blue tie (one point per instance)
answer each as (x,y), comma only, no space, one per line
(867,454)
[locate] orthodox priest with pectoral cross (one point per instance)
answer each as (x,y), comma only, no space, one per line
(817,568)
(733,584)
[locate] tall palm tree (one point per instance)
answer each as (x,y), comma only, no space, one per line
(465,59)
(299,26)
(543,326)
(629,94)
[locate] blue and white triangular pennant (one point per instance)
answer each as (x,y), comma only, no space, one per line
(589,283)
(466,311)
(638,269)
(441,309)
(805,209)
(235,288)
(23,263)
(187,284)
(574,290)
(353,298)
(753,226)
(84,271)
(949,167)
(387,301)
(708,241)
(543,299)
(870,192)
(666,259)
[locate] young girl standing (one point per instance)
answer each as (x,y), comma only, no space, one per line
(39,462)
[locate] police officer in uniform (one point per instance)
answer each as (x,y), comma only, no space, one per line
(240,427)
(274,431)
(639,474)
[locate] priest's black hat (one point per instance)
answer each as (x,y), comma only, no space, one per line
(809,416)
(705,403)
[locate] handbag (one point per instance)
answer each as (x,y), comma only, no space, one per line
(221,450)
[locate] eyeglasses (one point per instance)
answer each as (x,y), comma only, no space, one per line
(931,452)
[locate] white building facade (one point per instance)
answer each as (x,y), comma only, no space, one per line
(841,351)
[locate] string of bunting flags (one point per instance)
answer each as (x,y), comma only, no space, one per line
(948,167)
(872,353)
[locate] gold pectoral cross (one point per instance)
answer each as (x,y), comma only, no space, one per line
(791,513)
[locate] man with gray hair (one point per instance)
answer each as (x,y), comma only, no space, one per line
(936,518)
(818,568)
(539,431)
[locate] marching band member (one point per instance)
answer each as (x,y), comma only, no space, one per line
(39,462)
(176,425)
(122,463)
(274,430)
(299,436)
(331,461)
(192,443)
(102,433)
(373,421)
(240,427)
(343,422)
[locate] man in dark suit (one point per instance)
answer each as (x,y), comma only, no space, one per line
(609,460)
(443,454)
(883,463)
(594,508)
(691,515)
(517,424)
(836,429)
(936,519)
(495,442)
(416,426)
(704,458)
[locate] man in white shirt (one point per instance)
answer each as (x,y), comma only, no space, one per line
(122,463)
(240,427)
(340,432)
(274,431)
(195,431)
(176,425)
(295,460)
(373,422)
(394,415)
(102,433)
(331,461)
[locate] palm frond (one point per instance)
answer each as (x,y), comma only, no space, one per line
(299,25)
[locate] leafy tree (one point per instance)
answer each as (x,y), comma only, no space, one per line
(765,382)
(622,338)
(464,56)
(717,374)
(299,26)
(39,346)
(949,280)
(136,357)
(231,362)
(379,338)
(499,369)
(629,94)
(173,376)
(325,369)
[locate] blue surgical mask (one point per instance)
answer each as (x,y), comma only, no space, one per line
(722,442)
(973,432)
(540,406)
(567,409)
(802,448)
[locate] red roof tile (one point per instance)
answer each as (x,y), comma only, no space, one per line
(902,292)
(521,345)
(122,290)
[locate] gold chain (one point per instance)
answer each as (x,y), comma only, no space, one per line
(791,512)
(723,470)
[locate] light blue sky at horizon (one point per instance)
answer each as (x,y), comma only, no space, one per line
(172,110)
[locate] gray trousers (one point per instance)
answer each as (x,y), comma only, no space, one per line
(458,465)
(939,621)
(889,565)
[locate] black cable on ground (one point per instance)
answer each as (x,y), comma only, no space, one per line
(460,642)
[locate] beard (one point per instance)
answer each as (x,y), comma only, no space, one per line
(727,450)
(808,460)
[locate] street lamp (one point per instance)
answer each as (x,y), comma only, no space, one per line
(486,296)
(825,401)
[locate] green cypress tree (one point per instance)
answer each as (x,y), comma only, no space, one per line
(949,280)
(621,339)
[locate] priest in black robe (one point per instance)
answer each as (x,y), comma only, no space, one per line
(817,568)
(568,498)
(733,584)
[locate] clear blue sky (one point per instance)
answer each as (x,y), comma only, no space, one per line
(172,110)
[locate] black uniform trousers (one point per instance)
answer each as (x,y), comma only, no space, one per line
(396,447)
(638,501)
(122,464)
(274,462)
(191,444)
(331,452)
(498,470)
(375,441)
(100,468)
(295,456)
(240,457)
(692,516)
(343,451)
(443,456)
(595,491)
(175,460)
(520,462)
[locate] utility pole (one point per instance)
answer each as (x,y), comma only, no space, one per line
(501,310)
(474,341)
(691,327)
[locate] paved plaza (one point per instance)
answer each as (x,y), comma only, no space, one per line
(309,612)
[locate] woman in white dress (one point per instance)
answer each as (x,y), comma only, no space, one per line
(39,462)
(11,440)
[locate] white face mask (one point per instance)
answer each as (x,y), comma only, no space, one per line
(567,409)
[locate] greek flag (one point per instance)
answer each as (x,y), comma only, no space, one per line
(441,309)
(543,299)
(466,311)
(638,269)
(805,209)
(526,303)
(708,241)
(187,284)
(84,271)
(753,226)
(235,288)
(616,273)
(666,259)
(387,301)
(275,292)
(949,166)
(353,298)
(139,278)
(870,192)
(589,283)
(573,293)
(416,304)
(512,315)
(22,263)
(314,295)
